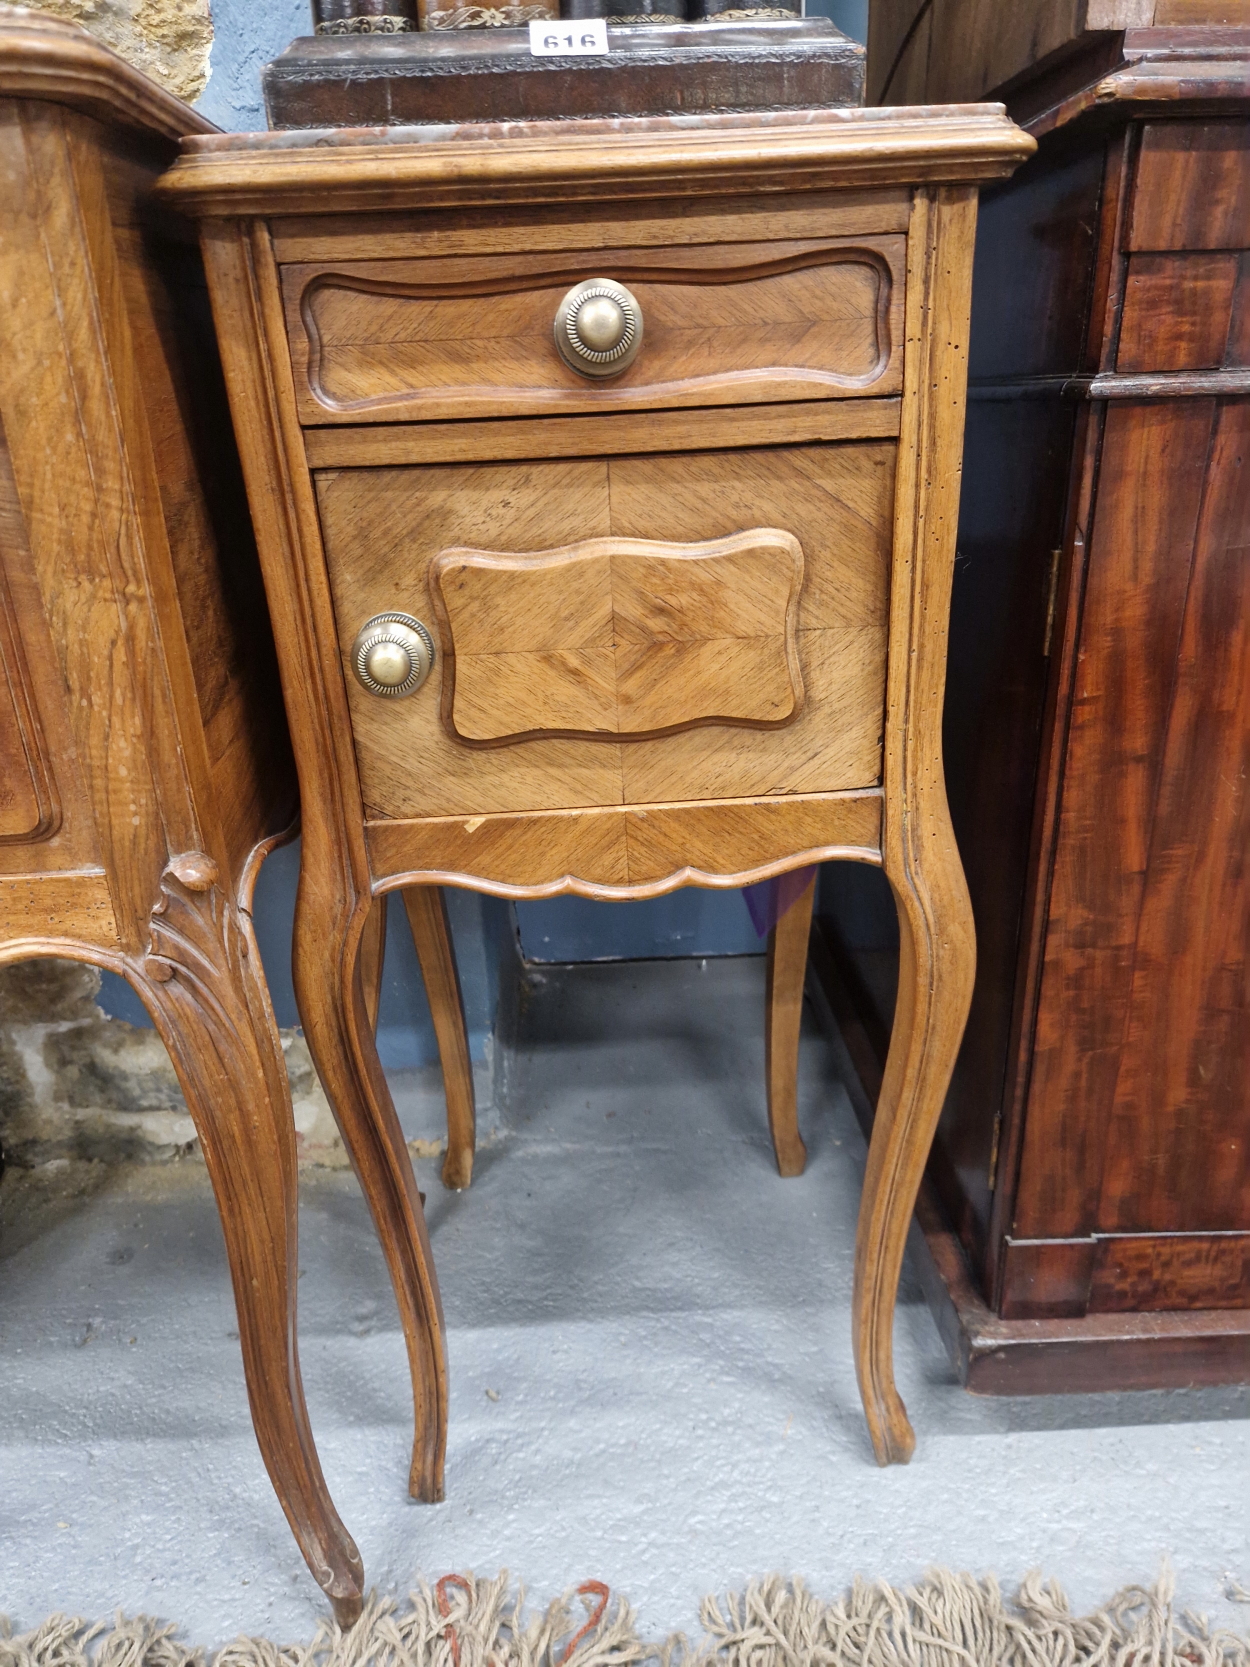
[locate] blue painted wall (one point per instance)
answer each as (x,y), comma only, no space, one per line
(688,922)
(851,16)
(247,36)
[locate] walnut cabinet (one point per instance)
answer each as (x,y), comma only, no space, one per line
(555,622)
(144,766)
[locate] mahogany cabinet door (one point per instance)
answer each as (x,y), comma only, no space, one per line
(1138,1118)
(1134,1173)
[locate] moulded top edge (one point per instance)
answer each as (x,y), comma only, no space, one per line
(47,58)
(321,171)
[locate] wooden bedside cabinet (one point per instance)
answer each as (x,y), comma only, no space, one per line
(145,769)
(626,455)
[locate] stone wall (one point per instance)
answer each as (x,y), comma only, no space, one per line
(170,40)
(75,1083)
(78,1084)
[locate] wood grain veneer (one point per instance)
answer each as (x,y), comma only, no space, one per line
(384,528)
(1177,311)
(1193,186)
(725,324)
(642,851)
(620,637)
(786,297)
(717,221)
(1153,469)
(30,808)
(1092,1153)
(144,766)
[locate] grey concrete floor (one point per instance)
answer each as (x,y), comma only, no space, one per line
(651,1377)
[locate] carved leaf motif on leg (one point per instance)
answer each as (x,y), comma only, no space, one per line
(202,982)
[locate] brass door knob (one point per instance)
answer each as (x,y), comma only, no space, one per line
(598,327)
(393,654)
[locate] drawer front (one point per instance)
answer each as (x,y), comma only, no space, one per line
(1186,312)
(392,340)
(632,630)
(624,852)
(1192,189)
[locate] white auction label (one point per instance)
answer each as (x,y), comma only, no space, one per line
(568,38)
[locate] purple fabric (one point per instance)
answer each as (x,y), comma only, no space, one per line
(769,900)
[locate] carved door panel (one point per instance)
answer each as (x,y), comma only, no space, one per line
(45,824)
(624,631)
(27,804)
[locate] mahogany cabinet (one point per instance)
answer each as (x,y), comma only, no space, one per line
(1088,1206)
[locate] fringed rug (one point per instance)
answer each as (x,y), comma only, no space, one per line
(947,1620)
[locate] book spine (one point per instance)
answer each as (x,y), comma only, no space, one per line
(624,12)
(743,11)
(364,17)
(620,12)
(488,16)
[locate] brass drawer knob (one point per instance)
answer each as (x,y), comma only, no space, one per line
(598,327)
(393,655)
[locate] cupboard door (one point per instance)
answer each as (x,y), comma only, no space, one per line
(1138,1121)
(633,630)
(1178,1141)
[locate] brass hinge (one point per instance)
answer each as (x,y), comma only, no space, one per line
(992,1178)
(1052,597)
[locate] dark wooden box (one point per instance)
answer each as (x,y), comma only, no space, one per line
(490,75)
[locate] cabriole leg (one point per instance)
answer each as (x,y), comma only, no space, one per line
(373,960)
(783,1016)
(328,986)
(431,933)
(202,983)
(937,961)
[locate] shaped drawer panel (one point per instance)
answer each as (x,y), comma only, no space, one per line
(620,636)
(386,341)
